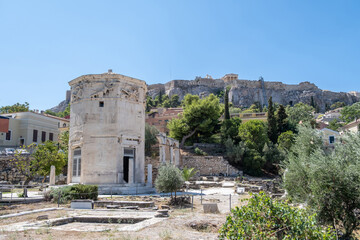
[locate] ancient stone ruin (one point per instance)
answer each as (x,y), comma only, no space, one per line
(245,92)
(107,132)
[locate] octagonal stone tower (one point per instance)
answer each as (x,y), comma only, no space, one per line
(107,130)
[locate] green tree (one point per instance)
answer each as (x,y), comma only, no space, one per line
(226,102)
(266,218)
(230,129)
(64,143)
(281,119)
(200,116)
(46,155)
(253,133)
(350,113)
(149,104)
(169,179)
(272,130)
(235,152)
(337,105)
(272,157)
(327,107)
(160,99)
(40,161)
(301,112)
(252,109)
(174,101)
(18,107)
(51,112)
(150,138)
(312,102)
(253,162)
(335,125)
(329,182)
(286,140)
(64,113)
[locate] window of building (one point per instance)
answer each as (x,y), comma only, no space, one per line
(43,136)
(8,136)
(101,104)
(64,125)
(35,135)
(51,136)
(77,164)
(331,139)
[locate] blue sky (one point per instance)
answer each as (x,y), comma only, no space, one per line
(45,44)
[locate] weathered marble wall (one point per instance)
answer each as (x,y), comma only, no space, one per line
(107,115)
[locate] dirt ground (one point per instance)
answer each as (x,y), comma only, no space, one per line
(183,223)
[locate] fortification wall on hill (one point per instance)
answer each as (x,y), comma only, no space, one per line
(245,92)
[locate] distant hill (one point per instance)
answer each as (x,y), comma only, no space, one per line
(62,105)
(245,92)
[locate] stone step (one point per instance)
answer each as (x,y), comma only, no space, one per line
(125,190)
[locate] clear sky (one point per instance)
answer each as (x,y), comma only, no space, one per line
(45,44)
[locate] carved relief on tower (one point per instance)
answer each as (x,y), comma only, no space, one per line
(129,92)
(104,90)
(76,138)
(77,91)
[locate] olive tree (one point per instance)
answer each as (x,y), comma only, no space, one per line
(169,179)
(328,183)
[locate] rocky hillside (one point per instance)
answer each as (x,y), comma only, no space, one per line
(246,92)
(61,106)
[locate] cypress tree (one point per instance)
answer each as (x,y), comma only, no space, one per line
(160,97)
(312,102)
(226,101)
(281,118)
(272,128)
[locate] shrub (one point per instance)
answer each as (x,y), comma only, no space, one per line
(63,193)
(198,151)
(169,179)
(265,218)
(77,191)
(80,191)
(329,182)
(188,173)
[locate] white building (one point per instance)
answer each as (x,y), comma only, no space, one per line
(26,128)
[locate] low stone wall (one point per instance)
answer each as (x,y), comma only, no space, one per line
(209,165)
(9,173)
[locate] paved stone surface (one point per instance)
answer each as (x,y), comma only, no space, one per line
(28,212)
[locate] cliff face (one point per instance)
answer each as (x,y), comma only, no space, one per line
(246,92)
(61,106)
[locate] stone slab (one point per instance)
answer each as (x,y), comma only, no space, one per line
(139,204)
(82,204)
(210,208)
(29,212)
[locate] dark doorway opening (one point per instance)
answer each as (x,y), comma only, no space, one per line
(126,169)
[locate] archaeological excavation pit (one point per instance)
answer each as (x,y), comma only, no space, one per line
(96,223)
(92,221)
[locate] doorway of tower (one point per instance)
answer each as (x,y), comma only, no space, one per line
(128,164)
